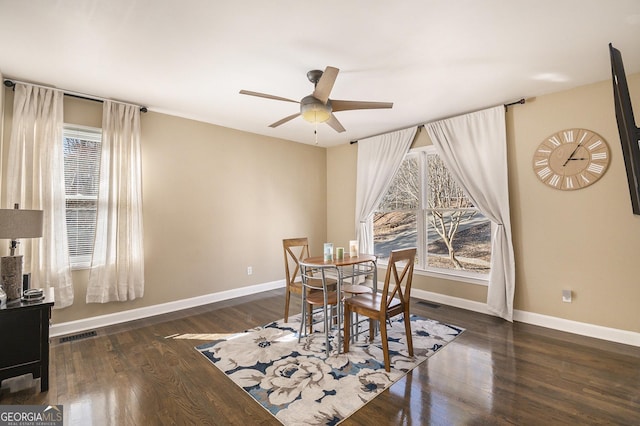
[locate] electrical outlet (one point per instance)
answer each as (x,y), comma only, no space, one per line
(566,296)
(249,270)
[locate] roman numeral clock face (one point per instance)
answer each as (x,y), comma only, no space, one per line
(571,159)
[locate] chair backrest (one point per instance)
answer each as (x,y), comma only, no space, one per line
(399,274)
(316,277)
(295,250)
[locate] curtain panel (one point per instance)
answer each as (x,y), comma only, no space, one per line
(35,180)
(117,265)
(474,149)
(379,158)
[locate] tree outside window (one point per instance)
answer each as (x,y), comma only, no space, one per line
(424,207)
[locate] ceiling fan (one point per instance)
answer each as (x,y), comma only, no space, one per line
(317,107)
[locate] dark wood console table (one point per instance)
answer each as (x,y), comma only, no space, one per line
(24,333)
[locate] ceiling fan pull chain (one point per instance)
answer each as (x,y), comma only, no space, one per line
(315,132)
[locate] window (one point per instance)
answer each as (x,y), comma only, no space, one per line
(425,208)
(82,147)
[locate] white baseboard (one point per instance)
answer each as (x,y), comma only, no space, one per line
(456,302)
(585,329)
(72,327)
(581,328)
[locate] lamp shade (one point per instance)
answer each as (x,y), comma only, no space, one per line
(18,223)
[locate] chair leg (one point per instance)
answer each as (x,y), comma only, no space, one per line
(286,305)
(334,317)
(347,327)
(327,322)
(302,321)
(407,330)
(372,324)
(385,345)
(310,317)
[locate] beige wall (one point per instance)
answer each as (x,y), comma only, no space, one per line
(341,203)
(587,241)
(216,201)
(1,124)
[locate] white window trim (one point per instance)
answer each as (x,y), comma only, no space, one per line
(452,275)
(460,276)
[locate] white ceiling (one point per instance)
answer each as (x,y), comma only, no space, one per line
(432,58)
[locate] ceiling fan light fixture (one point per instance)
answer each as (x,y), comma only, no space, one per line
(314,111)
(315,115)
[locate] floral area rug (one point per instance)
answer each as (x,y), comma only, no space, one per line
(300,385)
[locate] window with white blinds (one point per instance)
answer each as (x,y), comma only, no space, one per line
(82,147)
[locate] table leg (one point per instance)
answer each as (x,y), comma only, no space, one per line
(44,348)
(374,324)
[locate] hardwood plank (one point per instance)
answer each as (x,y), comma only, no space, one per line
(494,373)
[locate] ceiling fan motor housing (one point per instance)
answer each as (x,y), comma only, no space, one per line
(314,111)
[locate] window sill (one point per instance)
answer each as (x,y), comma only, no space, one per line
(79,267)
(469,279)
(454,277)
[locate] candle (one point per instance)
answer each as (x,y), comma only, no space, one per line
(340,253)
(328,252)
(353,248)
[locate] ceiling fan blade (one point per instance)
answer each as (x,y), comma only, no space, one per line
(337,105)
(284,120)
(264,95)
(325,84)
(335,124)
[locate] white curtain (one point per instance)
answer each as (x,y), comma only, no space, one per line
(35,180)
(379,158)
(117,266)
(474,149)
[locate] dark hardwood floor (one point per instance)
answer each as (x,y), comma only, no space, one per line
(494,373)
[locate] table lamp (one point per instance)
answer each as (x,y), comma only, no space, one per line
(14,224)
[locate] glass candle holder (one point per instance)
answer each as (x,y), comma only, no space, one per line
(353,248)
(328,252)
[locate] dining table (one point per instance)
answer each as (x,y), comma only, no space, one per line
(347,268)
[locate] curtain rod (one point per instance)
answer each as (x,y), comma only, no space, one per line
(12,84)
(506,106)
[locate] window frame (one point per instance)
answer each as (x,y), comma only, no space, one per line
(79,262)
(421,219)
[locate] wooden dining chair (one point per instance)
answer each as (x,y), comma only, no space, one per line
(394,300)
(296,250)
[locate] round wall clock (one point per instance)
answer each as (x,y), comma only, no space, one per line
(571,159)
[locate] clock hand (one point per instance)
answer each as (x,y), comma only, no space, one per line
(573,153)
(575,159)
